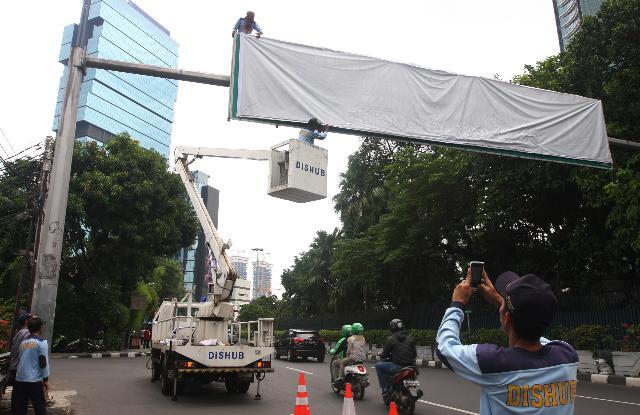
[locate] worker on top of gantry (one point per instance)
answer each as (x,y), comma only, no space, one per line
(315,129)
(247,25)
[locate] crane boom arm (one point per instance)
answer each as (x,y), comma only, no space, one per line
(225,274)
(221,290)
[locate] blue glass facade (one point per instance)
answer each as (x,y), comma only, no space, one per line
(196,259)
(569,14)
(116,102)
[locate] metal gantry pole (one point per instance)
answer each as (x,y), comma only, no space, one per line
(45,287)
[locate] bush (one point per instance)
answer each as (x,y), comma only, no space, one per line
(491,336)
(589,337)
(330,336)
(631,338)
(376,336)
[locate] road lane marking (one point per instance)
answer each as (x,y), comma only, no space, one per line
(449,407)
(608,400)
(298,370)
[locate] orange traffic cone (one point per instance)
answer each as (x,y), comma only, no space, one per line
(347,407)
(392,409)
(302,399)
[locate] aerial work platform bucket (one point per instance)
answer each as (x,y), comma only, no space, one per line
(298,171)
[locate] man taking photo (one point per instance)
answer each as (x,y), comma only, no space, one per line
(533,375)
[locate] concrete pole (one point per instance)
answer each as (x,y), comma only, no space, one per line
(45,288)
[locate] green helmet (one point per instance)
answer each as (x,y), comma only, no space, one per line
(346,330)
(357,328)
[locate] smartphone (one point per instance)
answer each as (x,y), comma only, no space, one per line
(476,272)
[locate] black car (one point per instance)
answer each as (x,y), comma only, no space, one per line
(300,344)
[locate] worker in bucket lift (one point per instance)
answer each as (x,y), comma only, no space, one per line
(315,129)
(247,25)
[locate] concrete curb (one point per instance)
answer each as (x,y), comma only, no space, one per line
(106,355)
(583,377)
(610,380)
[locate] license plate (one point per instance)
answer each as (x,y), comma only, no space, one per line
(411,383)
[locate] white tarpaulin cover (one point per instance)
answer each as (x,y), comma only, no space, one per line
(285,83)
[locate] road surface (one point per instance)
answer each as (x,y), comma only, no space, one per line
(122,386)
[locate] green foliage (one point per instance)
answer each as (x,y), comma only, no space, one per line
(590,337)
(261,307)
(330,335)
(378,337)
(309,284)
(126,217)
(631,339)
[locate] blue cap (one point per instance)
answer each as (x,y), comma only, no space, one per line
(529,299)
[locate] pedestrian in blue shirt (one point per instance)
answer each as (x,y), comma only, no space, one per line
(533,375)
(247,25)
(32,377)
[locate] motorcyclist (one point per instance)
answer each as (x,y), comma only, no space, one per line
(399,351)
(355,349)
(340,350)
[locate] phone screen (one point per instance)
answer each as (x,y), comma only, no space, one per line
(476,272)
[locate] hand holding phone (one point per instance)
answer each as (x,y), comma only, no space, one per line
(477,267)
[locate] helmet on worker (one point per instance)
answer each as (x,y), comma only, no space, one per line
(346,330)
(396,325)
(357,328)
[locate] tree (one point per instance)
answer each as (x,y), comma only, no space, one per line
(18,210)
(309,284)
(413,217)
(127,215)
(261,307)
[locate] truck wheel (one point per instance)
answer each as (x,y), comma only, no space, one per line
(242,387)
(231,386)
(155,371)
(166,386)
(321,358)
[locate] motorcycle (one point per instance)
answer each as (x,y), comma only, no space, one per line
(355,374)
(404,390)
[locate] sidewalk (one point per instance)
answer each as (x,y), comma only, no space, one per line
(59,403)
(100,355)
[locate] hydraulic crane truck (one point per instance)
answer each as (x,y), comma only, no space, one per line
(198,341)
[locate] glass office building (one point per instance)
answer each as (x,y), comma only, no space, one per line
(261,278)
(569,14)
(115,102)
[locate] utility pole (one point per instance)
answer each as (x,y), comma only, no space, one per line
(49,244)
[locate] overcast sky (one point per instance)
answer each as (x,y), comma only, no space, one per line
(471,37)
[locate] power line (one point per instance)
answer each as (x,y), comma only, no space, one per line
(8,142)
(37,145)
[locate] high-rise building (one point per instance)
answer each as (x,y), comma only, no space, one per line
(115,102)
(261,278)
(569,15)
(197,261)
(241,293)
(240,262)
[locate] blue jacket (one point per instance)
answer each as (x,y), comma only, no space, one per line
(240,25)
(513,380)
(34,360)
